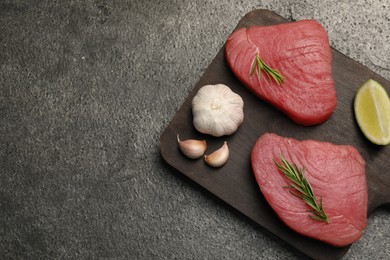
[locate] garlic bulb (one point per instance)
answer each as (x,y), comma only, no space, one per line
(217,110)
(219,157)
(193,149)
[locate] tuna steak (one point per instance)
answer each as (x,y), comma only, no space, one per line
(300,51)
(336,174)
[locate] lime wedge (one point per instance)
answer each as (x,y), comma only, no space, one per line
(372,112)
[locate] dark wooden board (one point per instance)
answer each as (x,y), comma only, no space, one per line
(235,184)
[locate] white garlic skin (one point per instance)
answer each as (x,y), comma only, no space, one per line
(219,157)
(217,110)
(191,148)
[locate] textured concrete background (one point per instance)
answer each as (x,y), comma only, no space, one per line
(87,88)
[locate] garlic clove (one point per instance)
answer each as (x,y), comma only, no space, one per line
(193,149)
(219,157)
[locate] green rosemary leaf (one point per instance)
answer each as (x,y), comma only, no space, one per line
(296,194)
(319,218)
(296,186)
(260,63)
(301,188)
(253,68)
(310,203)
(272,74)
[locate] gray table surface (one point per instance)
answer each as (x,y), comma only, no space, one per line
(87,88)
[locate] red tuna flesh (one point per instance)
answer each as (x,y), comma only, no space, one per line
(336,174)
(300,51)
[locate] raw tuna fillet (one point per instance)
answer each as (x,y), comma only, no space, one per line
(336,174)
(300,51)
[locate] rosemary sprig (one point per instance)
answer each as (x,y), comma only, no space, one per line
(302,189)
(259,65)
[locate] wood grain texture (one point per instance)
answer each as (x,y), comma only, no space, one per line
(235,184)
